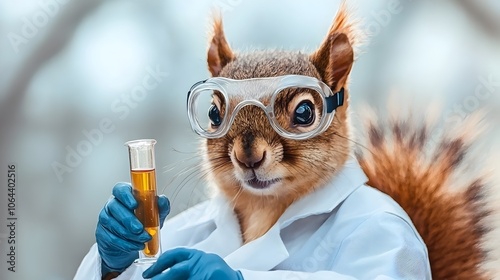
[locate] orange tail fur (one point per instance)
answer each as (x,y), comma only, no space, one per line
(448,207)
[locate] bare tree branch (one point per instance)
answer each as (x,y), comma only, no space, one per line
(486,19)
(68,20)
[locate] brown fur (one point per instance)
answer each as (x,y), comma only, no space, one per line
(449,222)
(293,160)
(302,166)
(423,184)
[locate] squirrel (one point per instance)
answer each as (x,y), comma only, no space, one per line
(299,196)
(394,156)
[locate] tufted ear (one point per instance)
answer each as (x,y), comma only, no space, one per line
(219,52)
(335,56)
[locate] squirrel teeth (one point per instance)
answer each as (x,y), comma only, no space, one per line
(258,184)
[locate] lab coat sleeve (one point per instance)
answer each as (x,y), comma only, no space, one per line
(384,246)
(90,267)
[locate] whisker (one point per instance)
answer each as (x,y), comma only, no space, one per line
(240,190)
(181,152)
(172,166)
(178,174)
(182,184)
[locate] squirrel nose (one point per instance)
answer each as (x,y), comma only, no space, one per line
(253,160)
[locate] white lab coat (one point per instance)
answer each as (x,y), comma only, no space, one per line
(345,230)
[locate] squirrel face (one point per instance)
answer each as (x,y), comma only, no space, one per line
(252,159)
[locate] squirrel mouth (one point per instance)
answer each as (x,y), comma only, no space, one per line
(258,184)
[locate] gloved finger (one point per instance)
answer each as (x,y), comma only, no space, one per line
(109,242)
(169,259)
(163,208)
(179,271)
(123,193)
(110,223)
(124,216)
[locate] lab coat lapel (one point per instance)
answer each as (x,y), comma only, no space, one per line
(226,241)
(268,251)
(325,199)
(226,237)
(261,254)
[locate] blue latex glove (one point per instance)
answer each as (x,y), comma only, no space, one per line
(119,234)
(191,264)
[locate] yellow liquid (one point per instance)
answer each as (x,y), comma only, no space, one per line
(144,186)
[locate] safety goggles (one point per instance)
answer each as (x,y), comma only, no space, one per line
(297,107)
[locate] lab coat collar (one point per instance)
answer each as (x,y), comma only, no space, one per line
(226,239)
(325,199)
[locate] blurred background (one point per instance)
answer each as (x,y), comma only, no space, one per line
(80,78)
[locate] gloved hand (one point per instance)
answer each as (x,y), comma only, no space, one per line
(119,234)
(191,264)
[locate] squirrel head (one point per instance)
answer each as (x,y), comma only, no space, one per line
(252,159)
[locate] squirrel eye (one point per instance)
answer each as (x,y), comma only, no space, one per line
(304,113)
(214,115)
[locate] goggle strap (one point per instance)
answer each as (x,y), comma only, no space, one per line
(335,101)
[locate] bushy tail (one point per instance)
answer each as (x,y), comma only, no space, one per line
(439,187)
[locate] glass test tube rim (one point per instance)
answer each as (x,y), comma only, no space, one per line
(138,145)
(150,140)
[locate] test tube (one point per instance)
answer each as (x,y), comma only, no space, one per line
(143,177)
